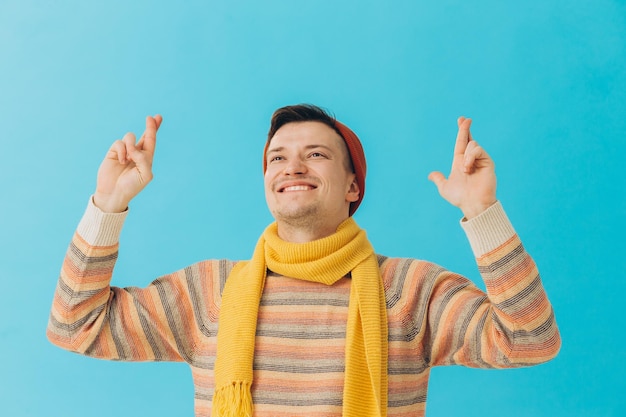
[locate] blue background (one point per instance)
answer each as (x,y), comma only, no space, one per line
(544,81)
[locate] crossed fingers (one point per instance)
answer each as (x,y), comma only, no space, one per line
(127,149)
(466,148)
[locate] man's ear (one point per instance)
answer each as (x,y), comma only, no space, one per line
(353,192)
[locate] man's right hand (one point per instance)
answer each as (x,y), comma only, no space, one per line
(126,169)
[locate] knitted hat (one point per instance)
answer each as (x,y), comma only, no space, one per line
(358,160)
(357,156)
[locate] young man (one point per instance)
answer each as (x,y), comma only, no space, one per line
(315,324)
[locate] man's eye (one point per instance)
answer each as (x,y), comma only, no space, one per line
(317,155)
(276,158)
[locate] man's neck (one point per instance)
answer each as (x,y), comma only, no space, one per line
(305,233)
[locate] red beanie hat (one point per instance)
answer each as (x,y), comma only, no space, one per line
(358,160)
(355,149)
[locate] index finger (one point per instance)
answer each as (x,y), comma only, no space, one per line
(464,136)
(148,139)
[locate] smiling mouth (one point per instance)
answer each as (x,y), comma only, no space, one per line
(296,188)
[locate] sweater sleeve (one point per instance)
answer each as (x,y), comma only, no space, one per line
(513,324)
(90,317)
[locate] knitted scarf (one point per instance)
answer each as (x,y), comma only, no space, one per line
(325,261)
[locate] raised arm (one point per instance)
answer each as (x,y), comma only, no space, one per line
(513,324)
(89,316)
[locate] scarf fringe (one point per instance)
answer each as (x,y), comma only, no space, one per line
(233,400)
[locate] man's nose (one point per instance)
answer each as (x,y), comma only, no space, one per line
(295,166)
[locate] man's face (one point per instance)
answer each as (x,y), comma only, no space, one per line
(308,179)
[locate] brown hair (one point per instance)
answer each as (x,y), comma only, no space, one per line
(300,113)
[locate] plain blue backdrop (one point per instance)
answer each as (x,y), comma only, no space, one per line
(544,81)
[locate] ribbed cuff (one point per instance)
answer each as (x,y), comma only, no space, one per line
(489,230)
(98,228)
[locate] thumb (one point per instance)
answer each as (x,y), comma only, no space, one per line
(438,179)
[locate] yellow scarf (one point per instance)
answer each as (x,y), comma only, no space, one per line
(326,261)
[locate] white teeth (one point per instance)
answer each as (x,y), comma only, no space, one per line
(297,188)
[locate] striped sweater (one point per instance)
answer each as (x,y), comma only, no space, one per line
(435,317)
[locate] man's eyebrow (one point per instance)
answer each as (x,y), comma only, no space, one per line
(312,146)
(278,149)
(328,148)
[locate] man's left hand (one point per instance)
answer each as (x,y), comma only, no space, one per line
(471,185)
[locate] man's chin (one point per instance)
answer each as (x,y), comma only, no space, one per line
(297,214)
